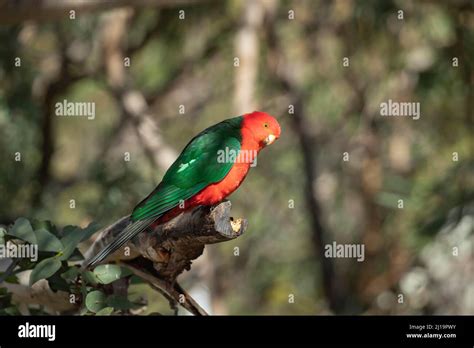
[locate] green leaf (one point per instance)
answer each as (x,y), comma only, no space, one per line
(83,293)
(105,311)
(26,263)
(76,256)
(73,236)
(134,279)
(12,278)
(90,277)
(95,301)
(47,241)
(70,242)
(106,274)
(70,274)
(45,269)
(12,311)
(56,283)
(46,224)
(119,302)
(22,229)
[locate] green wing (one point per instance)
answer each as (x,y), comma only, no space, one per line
(196,168)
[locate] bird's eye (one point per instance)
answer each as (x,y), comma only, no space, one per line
(265,125)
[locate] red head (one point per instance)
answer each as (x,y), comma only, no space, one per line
(261,128)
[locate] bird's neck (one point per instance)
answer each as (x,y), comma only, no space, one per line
(249,149)
(249,142)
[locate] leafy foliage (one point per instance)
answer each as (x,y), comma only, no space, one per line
(58,264)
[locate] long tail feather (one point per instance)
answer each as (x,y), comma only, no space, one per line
(128,233)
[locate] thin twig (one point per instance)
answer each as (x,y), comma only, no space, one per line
(173,290)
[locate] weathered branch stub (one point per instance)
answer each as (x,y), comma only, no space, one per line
(171,247)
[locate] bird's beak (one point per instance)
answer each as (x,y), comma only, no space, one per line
(270,139)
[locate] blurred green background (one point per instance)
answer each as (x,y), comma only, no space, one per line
(195,63)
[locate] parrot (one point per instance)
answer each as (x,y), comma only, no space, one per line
(210,168)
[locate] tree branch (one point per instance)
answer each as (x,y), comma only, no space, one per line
(160,255)
(172,291)
(40,294)
(173,245)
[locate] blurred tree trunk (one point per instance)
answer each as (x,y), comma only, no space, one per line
(55,85)
(247,53)
(284,72)
(247,47)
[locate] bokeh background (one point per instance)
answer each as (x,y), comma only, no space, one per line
(160,71)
